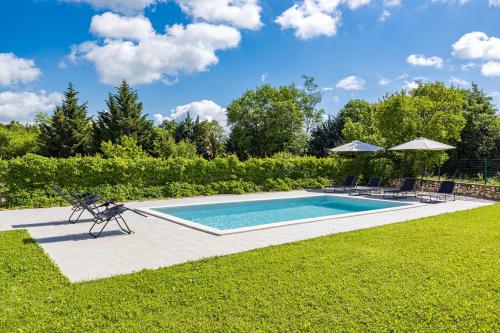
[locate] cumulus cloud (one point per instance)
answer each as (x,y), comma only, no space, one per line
(130,49)
(491,68)
(383,81)
(351,83)
(477,45)
(415,82)
(421,60)
(314,18)
(494,2)
(205,109)
(14,70)
(458,81)
(384,16)
(22,106)
(128,7)
(238,13)
(392,3)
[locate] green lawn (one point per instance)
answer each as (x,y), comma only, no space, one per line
(434,274)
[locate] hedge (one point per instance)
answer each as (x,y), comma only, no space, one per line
(26,181)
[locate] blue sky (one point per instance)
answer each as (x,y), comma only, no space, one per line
(213,50)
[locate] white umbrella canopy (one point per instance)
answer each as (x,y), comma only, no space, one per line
(356,146)
(422,144)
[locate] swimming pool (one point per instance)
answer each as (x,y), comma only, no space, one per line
(230,217)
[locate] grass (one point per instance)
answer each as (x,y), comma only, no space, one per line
(433,274)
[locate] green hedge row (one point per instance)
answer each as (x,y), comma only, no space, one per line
(27,180)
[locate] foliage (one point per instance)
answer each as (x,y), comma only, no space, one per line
(480,137)
(17,140)
(126,148)
(437,274)
(28,178)
(266,121)
(69,130)
(124,118)
(310,98)
(325,136)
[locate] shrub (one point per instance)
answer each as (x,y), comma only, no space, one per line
(27,180)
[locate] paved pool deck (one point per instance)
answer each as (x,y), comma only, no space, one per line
(158,243)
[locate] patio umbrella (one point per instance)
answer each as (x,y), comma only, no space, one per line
(423,144)
(356,146)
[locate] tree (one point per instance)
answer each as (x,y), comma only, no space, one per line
(69,131)
(184,129)
(480,137)
(326,135)
(17,140)
(126,148)
(266,121)
(310,98)
(124,118)
(358,121)
(208,136)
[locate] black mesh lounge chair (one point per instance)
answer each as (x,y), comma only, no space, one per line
(445,191)
(406,190)
(89,199)
(372,186)
(104,217)
(348,183)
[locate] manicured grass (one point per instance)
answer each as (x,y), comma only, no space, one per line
(434,274)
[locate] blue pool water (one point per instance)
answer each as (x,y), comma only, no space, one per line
(233,215)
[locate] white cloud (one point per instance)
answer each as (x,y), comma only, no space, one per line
(314,18)
(477,45)
(205,109)
(384,16)
(128,7)
(239,13)
(491,68)
(392,3)
(414,83)
(22,106)
(15,70)
(458,81)
(263,78)
(383,81)
(132,50)
(327,88)
(421,60)
(461,2)
(494,2)
(351,83)
(466,67)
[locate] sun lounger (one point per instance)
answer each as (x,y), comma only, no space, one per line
(105,216)
(372,186)
(445,191)
(89,199)
(347,184)
(406,190)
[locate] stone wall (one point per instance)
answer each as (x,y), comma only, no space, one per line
(471,190)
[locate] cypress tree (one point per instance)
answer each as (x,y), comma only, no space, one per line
(69,130)
(123,117)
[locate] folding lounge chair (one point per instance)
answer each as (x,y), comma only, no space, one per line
(407,189)
(348,183)
(89,199)
(373,185)
(104,217)
(445,191)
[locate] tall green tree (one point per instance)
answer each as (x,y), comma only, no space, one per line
(208,136)
(310,98)
(480,137)
(266,121)
(69,130)
(325,136)
(184,129)
(124,117)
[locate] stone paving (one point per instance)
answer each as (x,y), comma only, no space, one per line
(159,243)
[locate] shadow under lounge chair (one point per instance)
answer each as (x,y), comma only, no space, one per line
(446,190)
(406,190)
(348,183)
(89,199)
(372,186)
(104,217)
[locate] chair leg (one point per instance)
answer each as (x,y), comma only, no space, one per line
(79,215)
(126,229)
(100,232)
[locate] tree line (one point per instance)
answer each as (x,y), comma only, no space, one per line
(263,122)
